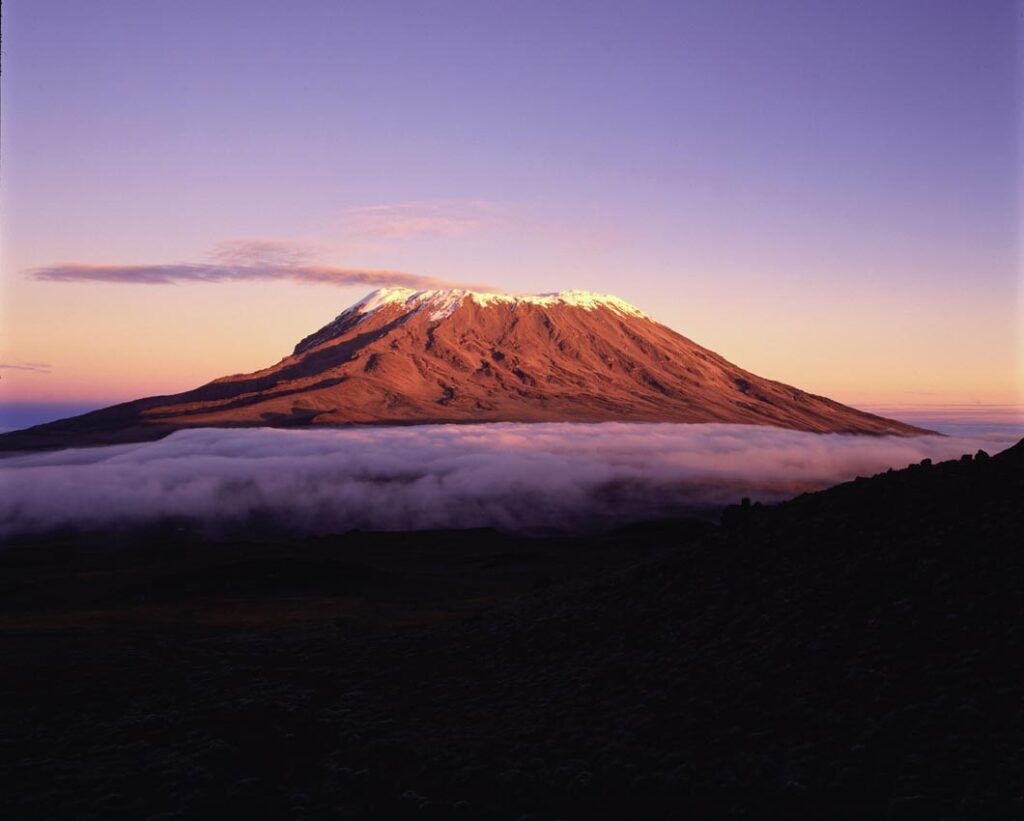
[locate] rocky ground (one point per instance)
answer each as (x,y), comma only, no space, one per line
(856,653)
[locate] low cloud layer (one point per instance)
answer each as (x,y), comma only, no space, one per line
(510,476)
(34,367)
(245,261)
(211,272)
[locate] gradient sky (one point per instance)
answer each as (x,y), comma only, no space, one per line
(826,193)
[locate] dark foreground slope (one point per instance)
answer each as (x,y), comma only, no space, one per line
(856,653)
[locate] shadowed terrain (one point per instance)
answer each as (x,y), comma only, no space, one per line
(854,653)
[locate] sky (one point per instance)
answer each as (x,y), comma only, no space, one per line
(826,194)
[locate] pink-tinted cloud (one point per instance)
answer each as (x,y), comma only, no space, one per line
(244,261)
(265,252)
(422,219)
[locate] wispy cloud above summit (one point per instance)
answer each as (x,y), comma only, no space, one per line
(415,220)
(249,260)
(266,252)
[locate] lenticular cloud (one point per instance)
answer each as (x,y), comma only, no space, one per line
(510,476)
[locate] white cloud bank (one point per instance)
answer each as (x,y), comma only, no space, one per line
(511,476)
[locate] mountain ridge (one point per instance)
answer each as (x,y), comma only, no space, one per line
(400,356)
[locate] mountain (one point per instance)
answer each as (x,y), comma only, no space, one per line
(404,356)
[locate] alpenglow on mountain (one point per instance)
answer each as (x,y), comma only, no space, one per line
(403,356)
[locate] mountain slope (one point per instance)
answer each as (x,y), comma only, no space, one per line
(401,356)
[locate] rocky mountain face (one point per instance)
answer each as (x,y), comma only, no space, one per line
(403,356)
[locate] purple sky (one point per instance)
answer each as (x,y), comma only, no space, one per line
(799,185)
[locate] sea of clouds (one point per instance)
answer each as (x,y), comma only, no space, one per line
(527,477)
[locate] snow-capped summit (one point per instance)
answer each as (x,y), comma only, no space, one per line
(442,301)
(401,356)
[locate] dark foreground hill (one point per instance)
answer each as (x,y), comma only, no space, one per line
(856,653)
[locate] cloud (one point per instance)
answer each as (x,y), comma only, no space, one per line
(413,220)
(265,252)
(511,476)
(35,367)
(245,261)
(199,272)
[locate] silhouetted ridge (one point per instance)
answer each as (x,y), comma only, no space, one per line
(854,653)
